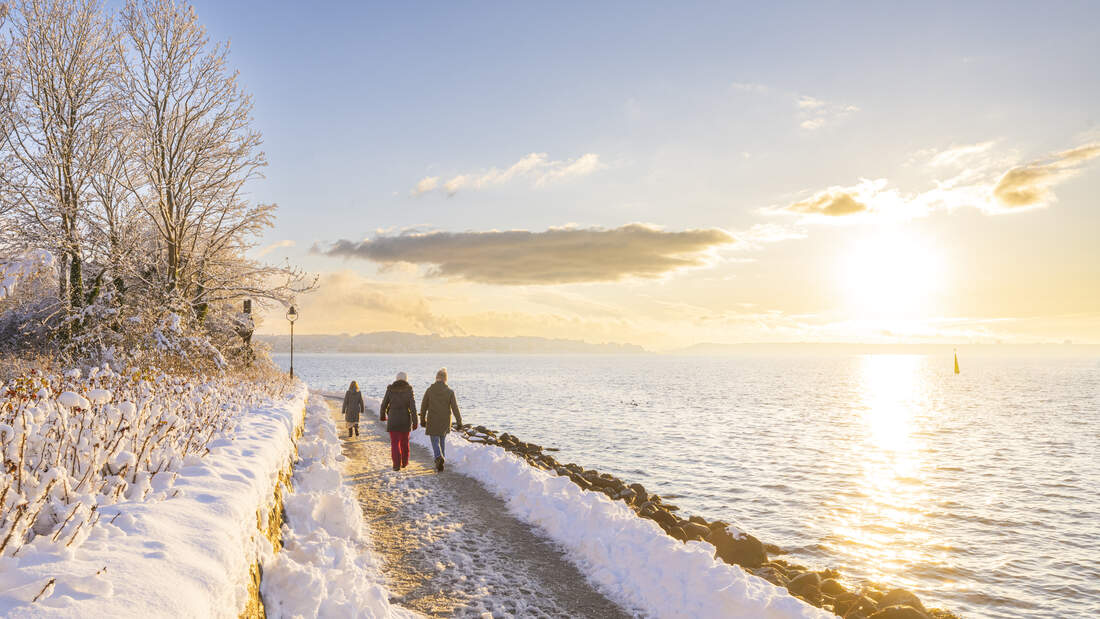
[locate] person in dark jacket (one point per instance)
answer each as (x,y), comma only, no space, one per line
(353,407)
(398,410)
(435,415)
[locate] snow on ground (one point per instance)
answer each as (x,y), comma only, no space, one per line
(629,559)
(181,550)
(326,568)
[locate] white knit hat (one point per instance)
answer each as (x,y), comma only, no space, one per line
(402,376)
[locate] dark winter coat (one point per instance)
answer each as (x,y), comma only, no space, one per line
(353,405)
(435,411)
(399,407)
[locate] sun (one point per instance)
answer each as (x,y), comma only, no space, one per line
(893,274)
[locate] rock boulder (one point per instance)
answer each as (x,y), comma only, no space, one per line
(831,587)
(695,530)
(744,549)
(901,597)
(806,585)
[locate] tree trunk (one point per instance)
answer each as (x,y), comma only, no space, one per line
(63,278)
(199,306)
(76,281)
(173,265)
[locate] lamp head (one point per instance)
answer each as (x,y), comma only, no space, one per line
(292,314)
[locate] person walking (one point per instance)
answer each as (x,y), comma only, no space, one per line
(398,410)
(353,407)
(435,415)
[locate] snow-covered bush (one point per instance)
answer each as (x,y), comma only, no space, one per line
(108,330)
(75,442)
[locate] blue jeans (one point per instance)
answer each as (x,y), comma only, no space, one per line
(439,446)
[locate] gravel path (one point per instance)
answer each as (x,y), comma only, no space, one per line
(449,548)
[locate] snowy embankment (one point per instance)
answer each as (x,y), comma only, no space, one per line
(326,568)
(629,559)
(146,494)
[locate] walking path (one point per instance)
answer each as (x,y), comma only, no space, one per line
(449,548)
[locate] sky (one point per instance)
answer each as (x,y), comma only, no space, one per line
(677,173)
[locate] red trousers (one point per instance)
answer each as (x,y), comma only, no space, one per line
(399,448)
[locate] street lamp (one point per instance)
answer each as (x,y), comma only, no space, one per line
(292,315)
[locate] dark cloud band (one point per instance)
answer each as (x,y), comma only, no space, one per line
(555,256)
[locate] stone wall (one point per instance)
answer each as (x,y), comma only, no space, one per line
(269,525)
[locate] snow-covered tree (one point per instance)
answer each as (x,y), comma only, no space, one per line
(126,146)
(194,149)
(63,70)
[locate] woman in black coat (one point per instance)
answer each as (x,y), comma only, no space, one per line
(353,407)
(398,410)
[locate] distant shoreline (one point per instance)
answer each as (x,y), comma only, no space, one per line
(392,342)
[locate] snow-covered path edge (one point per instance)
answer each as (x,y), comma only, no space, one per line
(326,567)
(629,559)
(186,556)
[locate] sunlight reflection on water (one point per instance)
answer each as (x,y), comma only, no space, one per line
(890,483)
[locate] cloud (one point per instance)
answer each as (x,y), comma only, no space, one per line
(276,245)
(576,304)
(807,102)
(426,184)
(453,185)
(760,234)
(345,301)
(841,202)
(970,166)
(831,202)
(536,167)
(1030,185)
(976,178)
(1080,154)
(996,182)
(581,166)
(555,256)
(964,155)
(814,113)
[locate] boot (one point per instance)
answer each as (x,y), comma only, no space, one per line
(349,432)
(357,430)
(439,464)
(397,467)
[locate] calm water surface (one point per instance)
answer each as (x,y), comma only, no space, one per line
(978,491)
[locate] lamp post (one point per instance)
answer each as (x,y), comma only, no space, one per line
(292,315)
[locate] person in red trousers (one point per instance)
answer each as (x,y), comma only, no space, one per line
(398,410)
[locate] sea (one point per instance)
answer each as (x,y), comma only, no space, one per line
(980,491)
